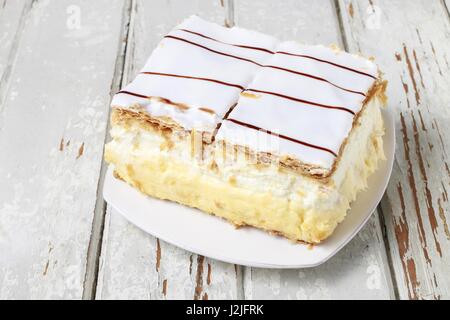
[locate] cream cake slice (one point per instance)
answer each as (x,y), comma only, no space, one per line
(276,135)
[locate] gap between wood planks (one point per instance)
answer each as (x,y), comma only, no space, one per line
(239,270)
(446,4)
(390,263)
(338,11)
(98,223)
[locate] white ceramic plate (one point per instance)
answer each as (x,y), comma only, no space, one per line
(213,237)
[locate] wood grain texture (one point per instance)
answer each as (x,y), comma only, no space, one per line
(411,41)
(134,264)
(304,21)
(52,127)
(362,265)
(359,271)
(446,4)
(93,255)
(12,17)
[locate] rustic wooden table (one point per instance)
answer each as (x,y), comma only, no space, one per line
(60,62)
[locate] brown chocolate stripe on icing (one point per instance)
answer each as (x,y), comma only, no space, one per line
(207,110)
(283,52)
(264,92)
(302,101)
(251,126)
(164,100)
(230,44)
(167,101)
(212,50)
(314,77)
(133,94)
(193,78)
(328,62)
(263,66)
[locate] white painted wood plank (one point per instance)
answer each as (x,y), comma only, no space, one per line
(93,256)
(447,6)
(360,270)
(411,41)
(135,265)
(52,128)
(12,16)
(304,21)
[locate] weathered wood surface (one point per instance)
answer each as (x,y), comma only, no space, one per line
(361,265)
(312,22)
(411,41)
(53,116)
(134,264)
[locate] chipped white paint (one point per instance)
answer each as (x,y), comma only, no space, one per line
(415,55)
(134,264)
(52,127)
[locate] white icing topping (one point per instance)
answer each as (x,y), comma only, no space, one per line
(306,122)
(173,56)
(234,35)
(310,124)
(312,92)
(335,56)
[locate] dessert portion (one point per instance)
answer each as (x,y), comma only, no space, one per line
(276,135)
